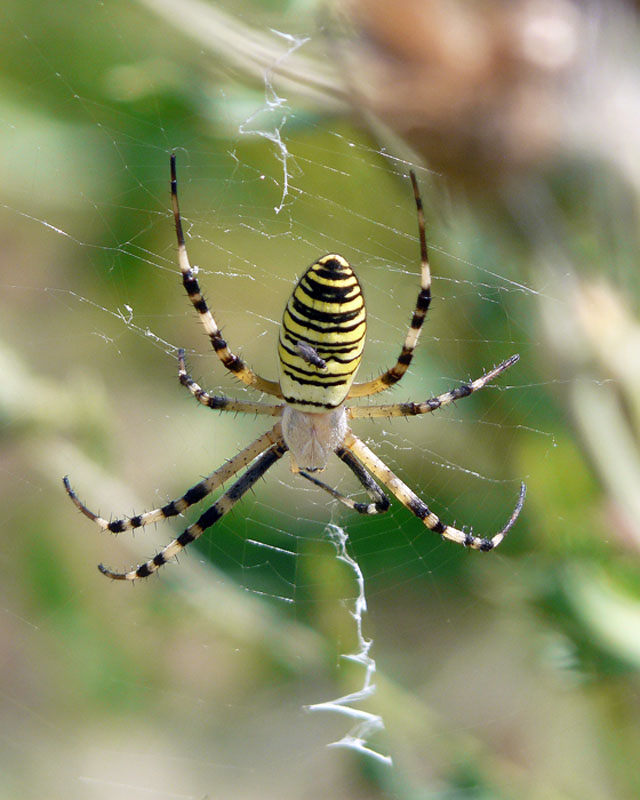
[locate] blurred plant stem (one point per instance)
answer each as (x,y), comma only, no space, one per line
(597,346)
(254,52)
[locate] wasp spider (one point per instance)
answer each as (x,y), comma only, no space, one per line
(320,349)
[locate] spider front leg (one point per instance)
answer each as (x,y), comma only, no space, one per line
(380,500)
(219,402)
(233,363)
(413,409)
(393,375)
(418,507)
(206,520)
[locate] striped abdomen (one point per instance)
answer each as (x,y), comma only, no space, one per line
(322,336)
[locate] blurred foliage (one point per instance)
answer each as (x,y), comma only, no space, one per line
(514,675)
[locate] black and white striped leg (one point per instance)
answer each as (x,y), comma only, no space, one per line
(219,402)
(409,499)
(206,520)
(192,496)
(393,375)
(413,409)
(233,363)
(380,502)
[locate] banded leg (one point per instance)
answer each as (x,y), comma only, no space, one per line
(393,375)
(233,363)
(192,496)
(380,500)
(412,409)
(206,520)
(409,499)
(219,402)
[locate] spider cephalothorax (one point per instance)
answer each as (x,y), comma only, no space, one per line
(320,349)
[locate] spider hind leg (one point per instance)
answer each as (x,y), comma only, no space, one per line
(380,500)
(206,520)
(421,510)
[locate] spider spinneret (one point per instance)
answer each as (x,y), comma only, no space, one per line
(320,349)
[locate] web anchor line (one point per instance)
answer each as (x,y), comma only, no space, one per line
(367,724)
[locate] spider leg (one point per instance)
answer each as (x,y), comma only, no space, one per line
(412,409)
(409,499)
(219,402)
(206,520)
(194,495)
(393,375)
(380,502)
(233,363)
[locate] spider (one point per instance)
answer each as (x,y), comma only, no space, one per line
(320,348)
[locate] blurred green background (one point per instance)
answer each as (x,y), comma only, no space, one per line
(510,675)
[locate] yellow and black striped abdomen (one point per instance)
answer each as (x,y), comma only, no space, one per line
(322,336)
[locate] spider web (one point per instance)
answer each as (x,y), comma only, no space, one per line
(259,203)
